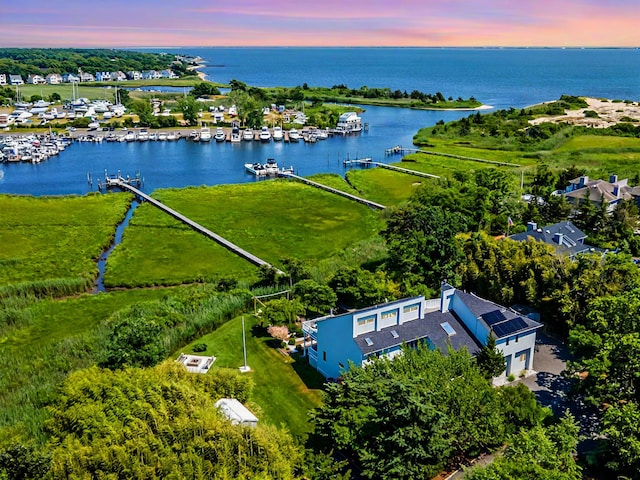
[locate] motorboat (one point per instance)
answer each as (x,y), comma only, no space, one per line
(277,134)
(143,135)
(256,169)
(235,135)
(205,134)
(294,135)
(171,136)
(220,135)
(247,135)
(265,135)
(130,136)
(162,136)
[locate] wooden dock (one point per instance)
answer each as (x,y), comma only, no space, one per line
(369,162)
(363,201)
(195,226)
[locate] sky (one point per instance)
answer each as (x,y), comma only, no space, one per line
(428,23)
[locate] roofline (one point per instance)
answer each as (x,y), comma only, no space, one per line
(366,309)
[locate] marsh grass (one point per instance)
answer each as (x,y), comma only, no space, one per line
(273,219)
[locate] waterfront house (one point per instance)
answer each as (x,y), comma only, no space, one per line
(54,79)
(87,77)
(35,79)
(3,78)
(119,76)
(349,122)
(167,74)
(103,76)
(149,75)
(565,237)
(611,192)
(70,78)
(457,319)
(133,75)
(16,80)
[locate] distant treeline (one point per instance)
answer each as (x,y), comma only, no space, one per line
(42,61)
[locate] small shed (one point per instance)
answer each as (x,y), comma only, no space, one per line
(236,412)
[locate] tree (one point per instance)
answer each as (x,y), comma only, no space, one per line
(317,299)
(189,108)
(144,111)
(422,246)
(282,311)
(622,438)
(204,89)
(358,288)
(133,341)
(490,359)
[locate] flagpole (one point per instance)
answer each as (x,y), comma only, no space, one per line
(245,367)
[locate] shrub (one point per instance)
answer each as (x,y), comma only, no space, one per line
(511,377)
(199,347)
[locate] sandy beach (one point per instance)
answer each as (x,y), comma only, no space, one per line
(608,112)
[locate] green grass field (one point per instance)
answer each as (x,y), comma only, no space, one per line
(280,395)
(272,219)
(56,237)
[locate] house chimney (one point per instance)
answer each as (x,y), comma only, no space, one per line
(613,178)
(558,237)
(531,226)
(583,181)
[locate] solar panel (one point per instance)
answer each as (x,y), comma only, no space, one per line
(494,317)
(369,341)
(507,328)
(448,328)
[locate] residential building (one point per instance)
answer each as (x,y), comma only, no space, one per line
(103,76)
(70,78)
(149,75)
(457,319)
(611,192)
(35,79)
(349,122)
(119,76)
(167,74)
(16,80)
(87,77)
(54,79)
(565,237)
(133,75)
(3,78)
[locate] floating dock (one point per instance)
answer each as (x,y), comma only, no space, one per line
(116,182)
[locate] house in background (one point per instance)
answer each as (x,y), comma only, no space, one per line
(16,80)
(70,78)
(54,79)
(457,319)
(87,77)
(103,76)
(565,237)
(35,79)
(3,78)
(610,193)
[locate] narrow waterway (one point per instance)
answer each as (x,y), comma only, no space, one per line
(117,239)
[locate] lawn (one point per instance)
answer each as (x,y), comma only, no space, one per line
(56,237)
(274,220)
(280,395)
(386,186)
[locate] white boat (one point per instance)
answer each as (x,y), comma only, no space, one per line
(247,135)
(153,137)
(130,136)
(235,135)
(143,135)
(93,125)
(294,135)
(220,135)
(321,134)
(277,134)
(255,169)
(270,169)
(265,135)
(171,136)
(205,134)
(162,136)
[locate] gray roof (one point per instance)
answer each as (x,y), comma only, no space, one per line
(428,326)
(572,238)
(502,321)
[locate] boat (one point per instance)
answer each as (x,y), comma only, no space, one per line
(235,135)
(162,136)
(143,135)
(130,136)
(247,135)
(205,134)
(265,135)
(268,169)
(277,134)
(256,169)
(171,136)
(321,134)
(220,135)
(294,135)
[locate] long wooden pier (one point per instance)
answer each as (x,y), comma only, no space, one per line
(363,201)
(368,161)
(195,226)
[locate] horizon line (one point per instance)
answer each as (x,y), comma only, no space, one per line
(439,47)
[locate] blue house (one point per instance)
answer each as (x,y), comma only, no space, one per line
(457,319)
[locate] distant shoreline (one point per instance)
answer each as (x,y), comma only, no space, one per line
(200,62)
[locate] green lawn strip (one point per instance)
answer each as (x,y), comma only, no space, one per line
(598,142)
(58,339)
(56,237)
(334,180)
(385,186)
(280,395)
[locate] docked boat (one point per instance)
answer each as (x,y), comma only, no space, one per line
(268,169)
(256,169)
(235,135)
(265,135)
(143,135)
(247,135)
(220,135)
(130,136)
(171,136)
(277,134)
(205,134)
(294,135)
(162,136)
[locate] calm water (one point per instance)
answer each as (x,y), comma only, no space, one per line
(498,77)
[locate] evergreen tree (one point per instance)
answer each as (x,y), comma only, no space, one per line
(490,359)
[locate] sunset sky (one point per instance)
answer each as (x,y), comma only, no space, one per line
(131,23)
